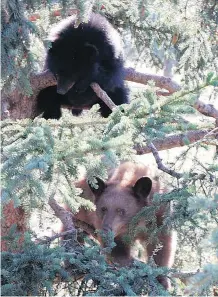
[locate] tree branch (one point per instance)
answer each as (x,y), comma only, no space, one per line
(49,239)
(206,109)
(85,227)
(46,79)
(160,165)
(184,276)
(64,215)
(103,95)
(177,140)
(68,220)
(42,80)
(160,81)
(18,106)
(79,224)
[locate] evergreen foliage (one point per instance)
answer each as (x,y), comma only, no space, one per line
(17,59)
(42,159)
(35,270)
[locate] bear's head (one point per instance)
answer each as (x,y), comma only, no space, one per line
(70,63)
(117,205)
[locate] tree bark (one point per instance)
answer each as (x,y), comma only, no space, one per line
(19,106)
(177,140)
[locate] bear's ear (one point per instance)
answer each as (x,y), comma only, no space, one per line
(101,187)
(90,51)
(142,188)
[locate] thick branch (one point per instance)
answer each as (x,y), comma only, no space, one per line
(176,141)
(64,215)
(68,220)
(46,79)
(85,227)
(18,106)
(42,80)
(160,81)
(206,109)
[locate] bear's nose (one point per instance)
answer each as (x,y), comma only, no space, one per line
(64,86)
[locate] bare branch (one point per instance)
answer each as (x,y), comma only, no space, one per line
(64,215)
(103,95)
(160,81)
(68,220)
(206,109)
(18,106)
(176,140)
(48,239)
(160,165)
(42,80)
(85,227)
(46,79)
(79,224)
(184,276)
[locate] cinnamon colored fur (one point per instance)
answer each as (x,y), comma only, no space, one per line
(127,190)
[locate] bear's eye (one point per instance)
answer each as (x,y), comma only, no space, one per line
(121,211)
(104,209)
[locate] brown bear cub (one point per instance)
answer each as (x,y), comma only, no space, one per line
(117,201)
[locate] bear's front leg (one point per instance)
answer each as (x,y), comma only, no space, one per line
(49,102)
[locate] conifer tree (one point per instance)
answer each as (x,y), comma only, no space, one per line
(41,160)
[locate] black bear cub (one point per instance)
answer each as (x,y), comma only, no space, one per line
(78,56)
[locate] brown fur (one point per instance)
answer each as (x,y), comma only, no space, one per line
(117,202)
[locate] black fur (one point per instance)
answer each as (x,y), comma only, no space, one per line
(92,52)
